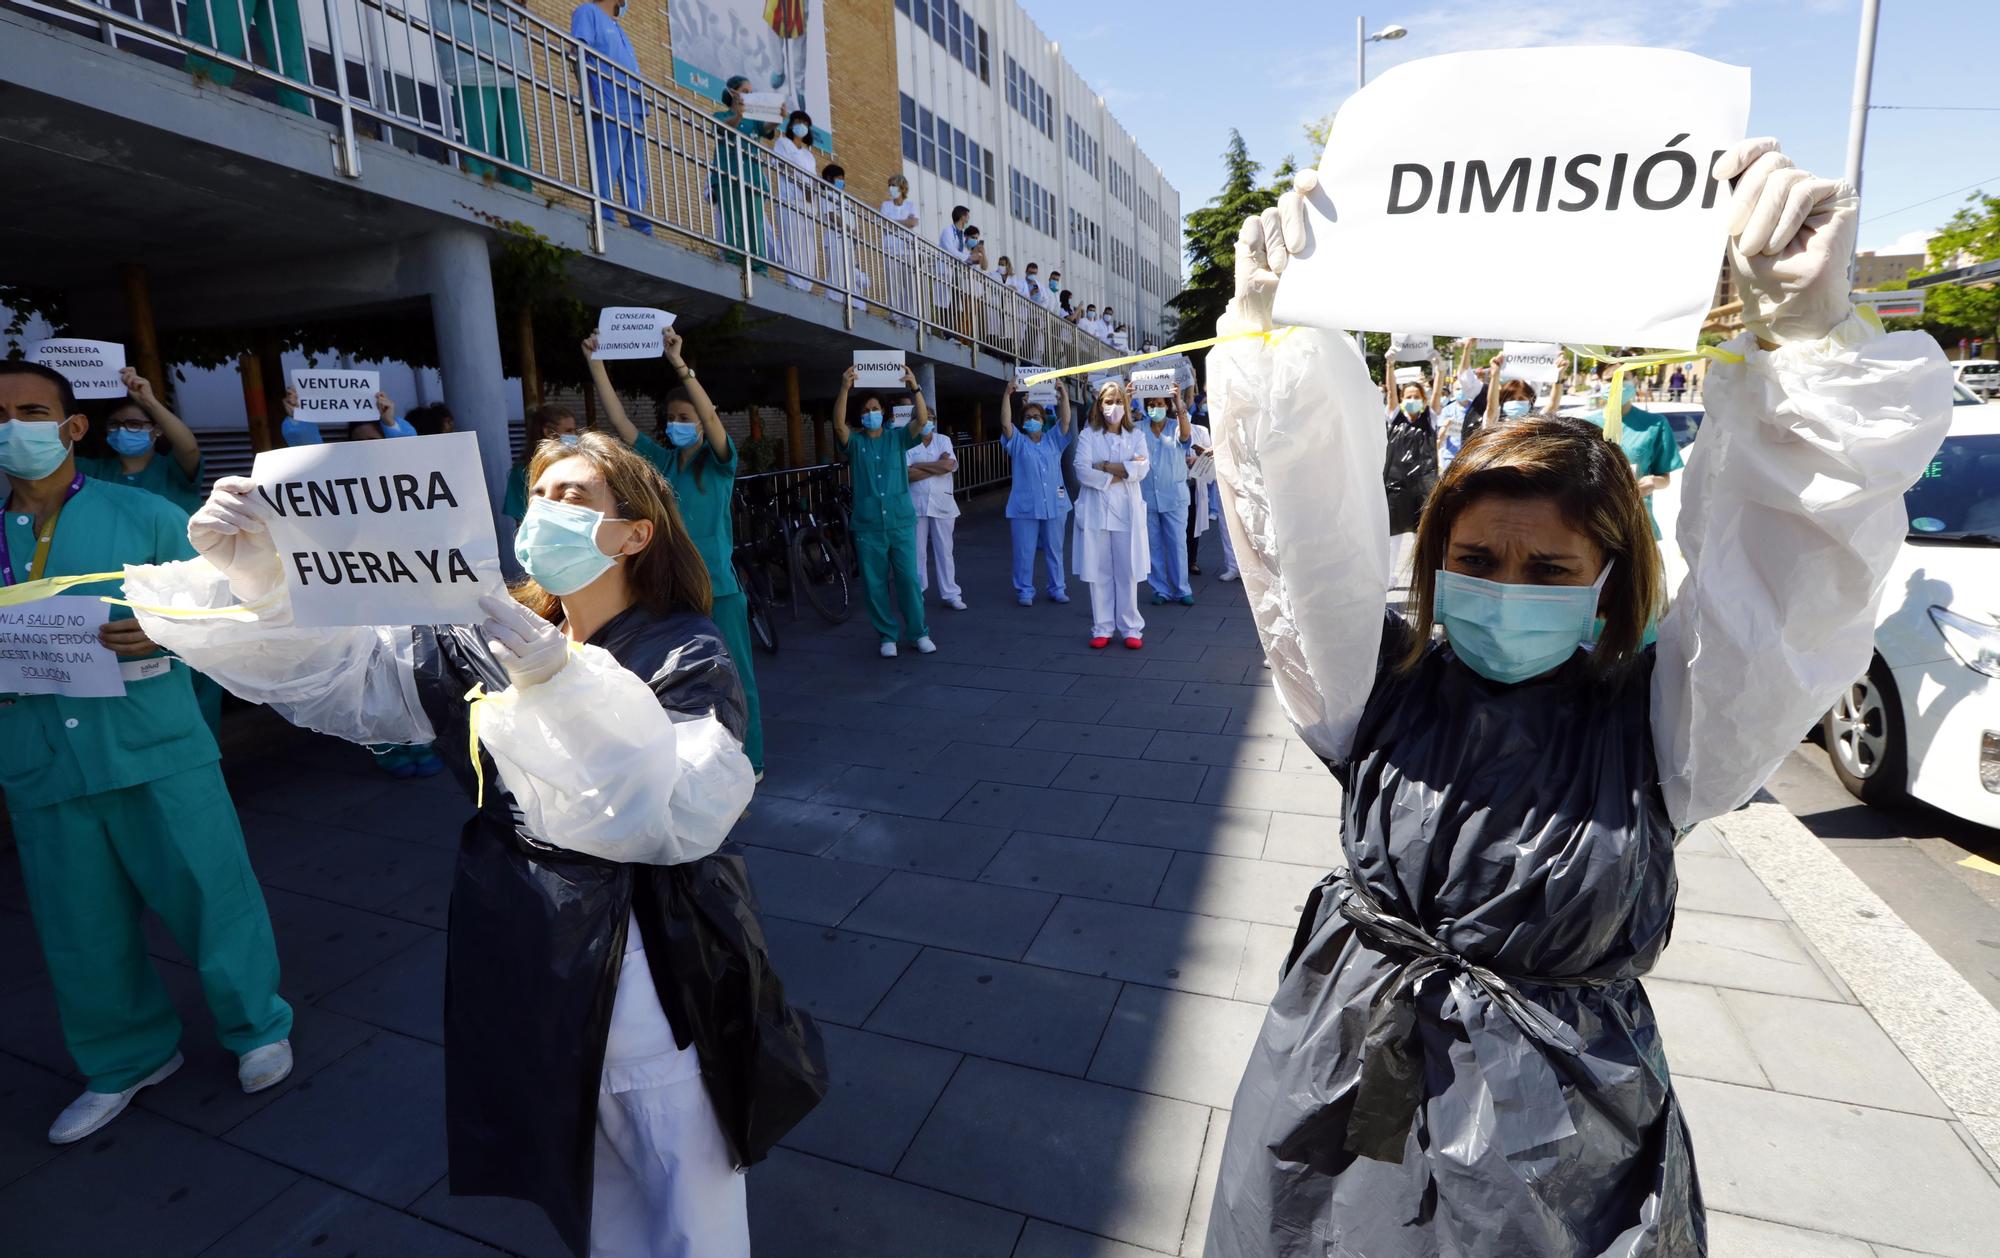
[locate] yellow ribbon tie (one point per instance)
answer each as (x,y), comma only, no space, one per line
(1106,364)
(473,698)
(1614,399)
(49,587)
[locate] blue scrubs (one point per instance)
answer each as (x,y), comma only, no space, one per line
(618,128)
(1165,490)
(1037,507)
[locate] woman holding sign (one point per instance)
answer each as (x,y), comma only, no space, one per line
(1111,549)
(885,520)
(595,931)
(134,430)
(1459,1059)
(700,467)
(1037,501)
(1410,470)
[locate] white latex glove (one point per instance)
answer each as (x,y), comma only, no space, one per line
(228,531)
(1263,249)
(1791,241)
(531,649)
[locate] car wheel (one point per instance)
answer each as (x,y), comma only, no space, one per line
(1863,733)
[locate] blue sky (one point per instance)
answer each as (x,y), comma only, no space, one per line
(1180,73)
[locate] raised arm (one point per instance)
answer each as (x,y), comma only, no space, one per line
(1184,433)
(180,438)
(711,423)
(1792,508)
(1299,445)
(1493,387)
(607,397)
(1064,418)
(841,431)
(1389,390)
(922,415)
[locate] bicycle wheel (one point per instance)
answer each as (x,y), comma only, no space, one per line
(757,598)
(821,574)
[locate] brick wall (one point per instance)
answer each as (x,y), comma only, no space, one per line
(861,74)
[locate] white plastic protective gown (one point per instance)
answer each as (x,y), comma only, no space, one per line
(591,762)
(1460,1061)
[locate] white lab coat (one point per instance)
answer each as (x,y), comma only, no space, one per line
(1106,508)
(798,243)
(932,496)
(1792,513)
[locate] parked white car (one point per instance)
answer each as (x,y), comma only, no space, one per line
(1981,375)
(1925,719)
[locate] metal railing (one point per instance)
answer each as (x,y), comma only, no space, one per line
(981,465)
(503,95)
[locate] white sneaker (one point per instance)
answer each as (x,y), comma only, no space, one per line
(888,650)
(89,1112)
(264,1067)
(925,646)
(956,604)
(1228,574)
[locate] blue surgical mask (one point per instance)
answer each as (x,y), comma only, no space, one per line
(1510,633)
(129,441)
(1031,426)
(840,183)
(1631,392)
(800,130)
(871,420)
(568,438)
(1156,414)
(681,436)
(927,429)
(1516,409)
(31,448)
(1413,407)
(557,544)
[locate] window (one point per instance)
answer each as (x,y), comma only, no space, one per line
(986,173)
(920,13)
(1032,204)
(954,28)
(927,143)
(1013,88)
(1081,147)
(909,127)
(903,6)
(938,21)
(985,71)
(958,158)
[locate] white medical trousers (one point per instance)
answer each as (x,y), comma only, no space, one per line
(934,534)
(1114,604)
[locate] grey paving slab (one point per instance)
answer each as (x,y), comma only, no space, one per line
(1141,714)
(428,905)
(1315,793)
(1062,707)
(1798,1160)
(1302,839)
(794,825)
(1734,1236)
(431,812)
(1050,1145)
(1039,681)
(143,1185)
(1177,1044)
(1026,1014)
(30,1098)
(1145,779)
(311,1217)
(1194,1239)
(1723,884)
(951,848)
(1264,951)
(372,1122)
(828,744)
(1702,1038)
(1020,766)
(1744,952)
(808,1207)
(1703,840)
(322,945)
(403,994)
(862,715)
(1085,867)
(1214,694)
(1051,811)
(1187,827)
(1816,1048)
(958,700)
(1111,662)
(881,1089)
(1226,886)
(1120,688)
(314,793)
(836,975)
(1096,740)
(990,730)
(1262,719)
(1191,671)
(808,888)
(789,776)
(895,790)
(514,1226)
(1226,751)
(1145,945)
(1300,758)
(950,913)
(1046,1240)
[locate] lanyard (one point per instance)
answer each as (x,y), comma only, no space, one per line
(43,539)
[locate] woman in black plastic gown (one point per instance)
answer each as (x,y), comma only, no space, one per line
(1460,1061)
(616,1047)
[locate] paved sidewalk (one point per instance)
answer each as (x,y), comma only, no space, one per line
(1036,896)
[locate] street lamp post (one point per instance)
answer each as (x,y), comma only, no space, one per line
(1361,41)
(1864,74)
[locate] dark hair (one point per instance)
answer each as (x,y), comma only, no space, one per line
(1517,390)
(1569,463)
(972,229)
(732,91)
(800,115)
(64,388)
(703,453)
(365,423)
(834,170)
(99,436)
(429,421)
(959,212)
(536,426)
(1026,265)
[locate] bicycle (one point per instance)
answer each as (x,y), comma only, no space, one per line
(756,586)
(818,561)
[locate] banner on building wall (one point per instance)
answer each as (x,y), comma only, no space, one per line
(779,45)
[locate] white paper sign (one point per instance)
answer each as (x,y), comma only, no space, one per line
(764,106)
(1150,384)
(1409,375)
(631,332)
(878,368)
(1537,362)
(50,647)
(1449,184)
(899,416)
(91,367)
(1096,380)
(381,532)
(336,397)
(1410,347)
(1043,394)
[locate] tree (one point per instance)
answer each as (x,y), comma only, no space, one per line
(1211,242)
(1953,313)
(1974,230)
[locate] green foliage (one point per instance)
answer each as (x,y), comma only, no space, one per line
(26,303)
(1974,230)
(1211,243)
(765,454)
(1953,312)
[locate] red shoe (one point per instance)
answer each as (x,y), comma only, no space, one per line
(1133,644)
(1098,644)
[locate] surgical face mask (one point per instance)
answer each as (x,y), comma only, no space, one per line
(1631,392)
(1510,633)
(972,242)
(1156,414)
(840,183)
(894,190)
(681,436)
(1031,426)
(1413,407)
(1516,409)
(871,420)
(927,429)
(557,545)
(1113,413)
(800,130)
(129,441)
(32,448)
(567,438)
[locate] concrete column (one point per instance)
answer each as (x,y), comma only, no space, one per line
(256,402)
(454,268)
(145,337)
(795,440)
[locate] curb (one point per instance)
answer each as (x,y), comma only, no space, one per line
(1939,1021)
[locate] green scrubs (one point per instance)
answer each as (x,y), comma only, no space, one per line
(1649,445)
(515,505)
(885,528)
(705,490)
(118,805)
(274,23)
(162,475)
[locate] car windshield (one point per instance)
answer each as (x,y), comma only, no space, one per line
(1685,423)
(1958,497)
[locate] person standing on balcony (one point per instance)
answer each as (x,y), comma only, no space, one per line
(952,239)
(699,464)
(738,199)
(840,245)
(618,122)
(885,521)
(932,464)
(797,248)
(279,38)
(900,250)
(483,59)
(1037,501)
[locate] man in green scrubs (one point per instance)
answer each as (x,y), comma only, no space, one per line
(118,804)
(885,520)
(701,470)
(1649,445)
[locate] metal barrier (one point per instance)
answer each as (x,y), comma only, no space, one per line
(504,95)
(981,465)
